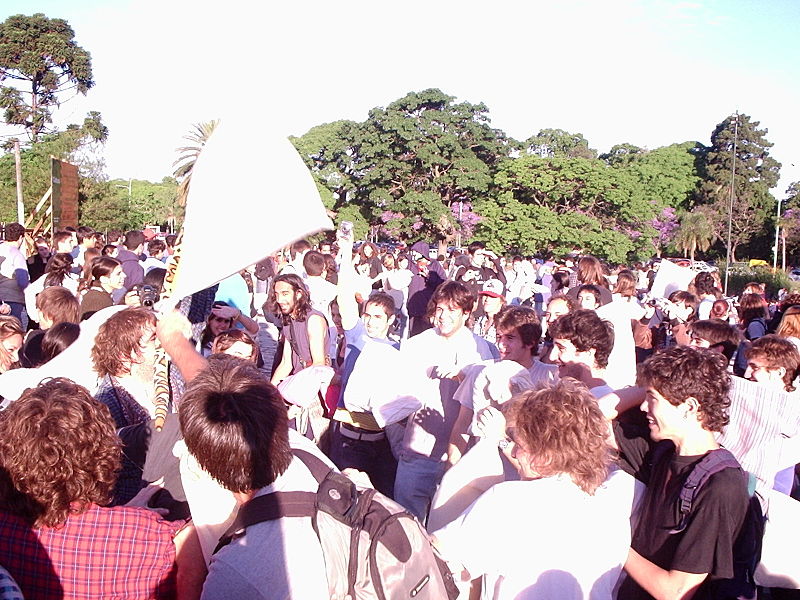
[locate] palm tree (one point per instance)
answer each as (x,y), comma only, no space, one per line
(188,156)
(695,233)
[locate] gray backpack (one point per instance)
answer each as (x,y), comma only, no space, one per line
(373,548)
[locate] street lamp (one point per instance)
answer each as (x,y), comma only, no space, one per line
(777,232)
(130,181)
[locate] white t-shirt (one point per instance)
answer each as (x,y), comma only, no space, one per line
(420,356)
(546,538)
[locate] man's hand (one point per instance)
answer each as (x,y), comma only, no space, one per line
(171,324)
(491,424)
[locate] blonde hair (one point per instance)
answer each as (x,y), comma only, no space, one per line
(562,427)
(790,323)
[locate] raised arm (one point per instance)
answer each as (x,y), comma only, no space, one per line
(345,287)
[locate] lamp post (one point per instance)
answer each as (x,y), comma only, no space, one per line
(777,232)
(130,181)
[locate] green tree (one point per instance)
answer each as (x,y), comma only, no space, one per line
(557,143)
(621,154)
(41,59)
(577,185)
(565,204)
(410,161)
(327,151)
(110,206)
(696,232)
(739,139)
(77,144)
(669,176)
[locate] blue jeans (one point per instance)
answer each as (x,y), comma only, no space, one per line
(416,483)
(375,458)
(18,310)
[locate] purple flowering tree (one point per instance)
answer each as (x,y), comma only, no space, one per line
(666,225)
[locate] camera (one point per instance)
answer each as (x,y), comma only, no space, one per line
(148,295)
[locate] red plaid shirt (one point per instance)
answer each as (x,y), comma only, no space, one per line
(103,553)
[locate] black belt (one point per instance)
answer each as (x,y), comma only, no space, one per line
(356,433)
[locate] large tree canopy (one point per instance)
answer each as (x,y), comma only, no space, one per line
(39,59)
(738,142)
(557,143)
(409,163)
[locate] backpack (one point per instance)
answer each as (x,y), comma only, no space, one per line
(373,548)
(747,547)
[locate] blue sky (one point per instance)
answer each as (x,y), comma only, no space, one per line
(648,73)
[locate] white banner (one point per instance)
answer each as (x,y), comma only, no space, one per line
(250,195)
(670,278)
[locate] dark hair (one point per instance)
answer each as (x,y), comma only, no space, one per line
(229,337)
(682,372)
(454,293)
(752,306)
(524,321)
(688,299)
(778,352)
(704,284)
(58,338)
(155,278)
(385,301)
(593,290)
(330,268)
(118,339)
(299,247)
(302,305)
(100,266)
(717,333)
(155,246)
(58,267)
(719,309)
(60,236)
(560,281)
(314,263)
(14,231)
(133,239)
(59,453)
(208,337)
(85,232)
(234,423)
(108,250)
(586,331)
(114,236)
(474,247)
(564,430)
(59,304)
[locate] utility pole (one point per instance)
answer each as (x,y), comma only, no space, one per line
(777,236)
(730,207)
(20,204)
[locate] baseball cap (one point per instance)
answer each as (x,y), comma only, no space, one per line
(494,288)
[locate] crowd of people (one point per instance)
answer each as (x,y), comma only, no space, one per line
(559,427)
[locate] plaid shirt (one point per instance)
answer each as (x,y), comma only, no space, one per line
(121,553)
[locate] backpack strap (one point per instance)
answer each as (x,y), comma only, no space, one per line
(713,462)
(276,505)
(313,463)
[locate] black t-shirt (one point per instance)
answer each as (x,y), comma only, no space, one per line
(718,512)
